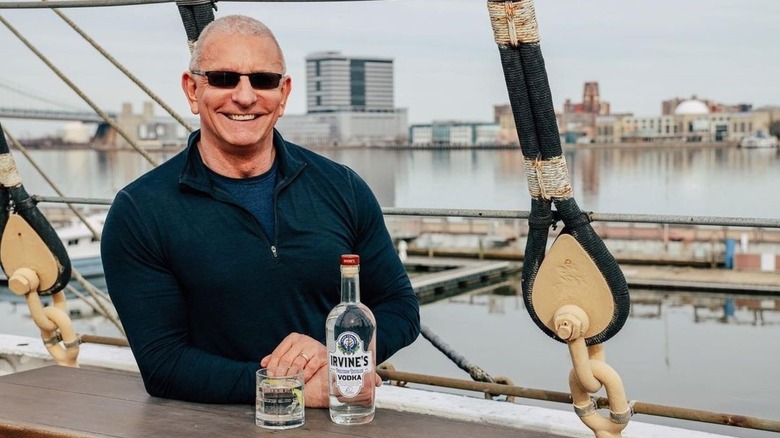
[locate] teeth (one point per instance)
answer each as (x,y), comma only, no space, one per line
(241,116)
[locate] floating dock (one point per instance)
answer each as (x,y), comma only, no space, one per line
(437,278)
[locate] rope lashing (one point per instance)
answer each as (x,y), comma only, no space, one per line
(195,15)
(9,176)
(548,179)
(516,32)
(502,380)
(513,22)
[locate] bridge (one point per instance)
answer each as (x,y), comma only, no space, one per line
(40,114)
(18,102)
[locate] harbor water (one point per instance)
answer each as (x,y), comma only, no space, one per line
(652,179)
(670,352)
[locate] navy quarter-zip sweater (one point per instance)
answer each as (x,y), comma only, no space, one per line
(203,293)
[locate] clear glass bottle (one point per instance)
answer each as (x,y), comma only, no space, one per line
(351,342)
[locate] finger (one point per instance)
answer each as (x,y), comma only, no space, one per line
(293,357)
(281,350)
(301,362)
(377,380)
(264,361)
(313,365)
(311,358)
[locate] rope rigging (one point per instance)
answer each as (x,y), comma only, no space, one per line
(517,36)
(124,70)
(108,120)
(111,3)
(576,293)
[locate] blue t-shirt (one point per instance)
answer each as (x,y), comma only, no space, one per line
(256,194)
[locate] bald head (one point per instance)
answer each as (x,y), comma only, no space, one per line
(233,25)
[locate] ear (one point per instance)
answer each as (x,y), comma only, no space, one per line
(285,90)
(189,83)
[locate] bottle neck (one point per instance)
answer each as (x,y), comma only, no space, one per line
(350,284)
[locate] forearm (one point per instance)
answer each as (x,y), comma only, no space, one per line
(398,325)
(193,375)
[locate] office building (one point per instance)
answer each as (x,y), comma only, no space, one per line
(336,82)
(349,102)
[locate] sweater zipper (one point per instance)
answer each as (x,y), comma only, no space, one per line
(284,183)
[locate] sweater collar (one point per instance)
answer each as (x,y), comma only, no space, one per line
(195,174)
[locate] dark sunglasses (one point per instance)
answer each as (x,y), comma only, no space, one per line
(229,79)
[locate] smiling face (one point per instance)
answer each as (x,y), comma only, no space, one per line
(237,121)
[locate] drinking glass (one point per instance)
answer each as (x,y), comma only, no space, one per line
(280,402)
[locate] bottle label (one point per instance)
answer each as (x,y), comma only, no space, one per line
(349,364)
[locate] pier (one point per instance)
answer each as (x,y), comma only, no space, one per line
(700,246)
(438,278)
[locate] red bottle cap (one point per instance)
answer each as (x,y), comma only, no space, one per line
(350,259)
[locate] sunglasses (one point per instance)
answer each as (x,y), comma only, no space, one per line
(229,79)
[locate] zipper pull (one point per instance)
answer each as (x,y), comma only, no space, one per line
(273,251)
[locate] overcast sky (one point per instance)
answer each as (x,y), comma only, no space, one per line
(446,61)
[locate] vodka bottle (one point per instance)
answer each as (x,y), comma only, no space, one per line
(351,342)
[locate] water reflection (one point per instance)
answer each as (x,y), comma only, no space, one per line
(705,308)
(652,180)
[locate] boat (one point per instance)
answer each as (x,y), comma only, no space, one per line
(758,140)
(27,359)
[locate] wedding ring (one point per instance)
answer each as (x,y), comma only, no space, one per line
(305,357)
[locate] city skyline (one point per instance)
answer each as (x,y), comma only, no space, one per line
(446,62)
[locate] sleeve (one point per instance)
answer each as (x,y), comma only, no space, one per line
(384,284)
(151,307)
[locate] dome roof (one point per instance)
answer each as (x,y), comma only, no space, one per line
(691,107)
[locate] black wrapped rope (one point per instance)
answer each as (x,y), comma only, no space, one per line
(5,201)
(14,197)
(195,15)
(514,25)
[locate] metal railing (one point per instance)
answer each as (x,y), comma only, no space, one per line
(663,219)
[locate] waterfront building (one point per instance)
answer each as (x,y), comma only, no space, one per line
(346,128)
(146,129)
(692,120)
(336,82)
(75,133)
(454,133)
(507,133)
(577,121)
(349,102)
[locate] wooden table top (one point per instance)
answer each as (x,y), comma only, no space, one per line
(77,402)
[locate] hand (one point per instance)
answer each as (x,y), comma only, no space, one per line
(316,389)
(305,352)
(367,393)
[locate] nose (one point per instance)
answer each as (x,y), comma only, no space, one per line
(244,94)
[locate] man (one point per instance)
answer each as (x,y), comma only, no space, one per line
(226,257)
